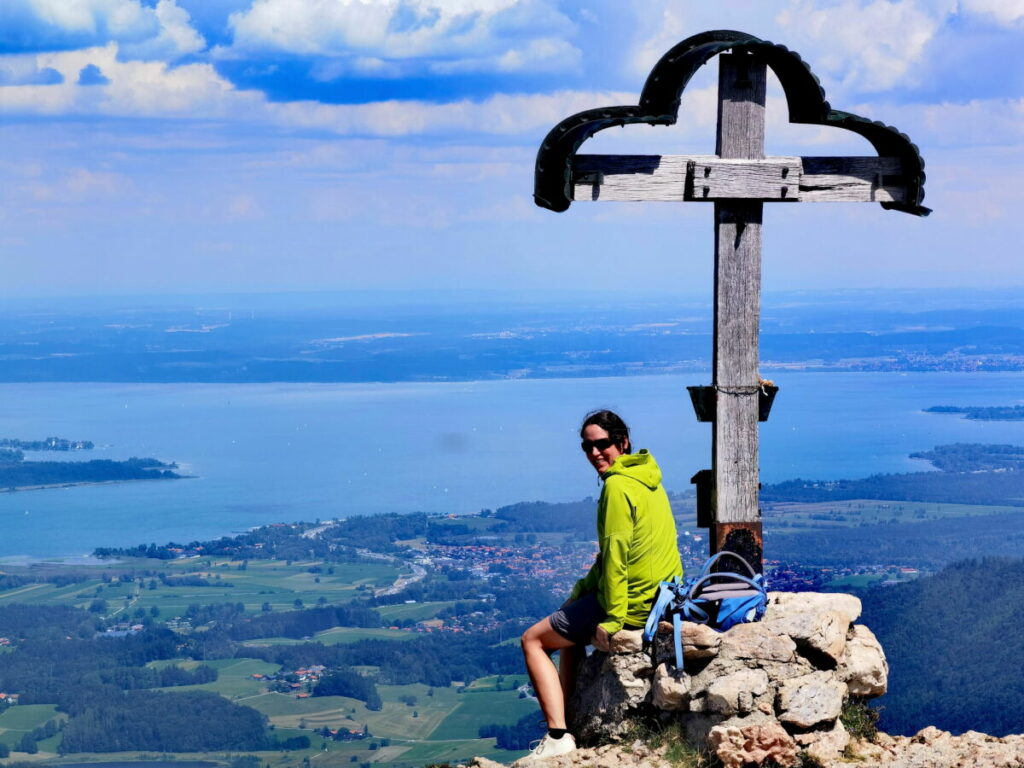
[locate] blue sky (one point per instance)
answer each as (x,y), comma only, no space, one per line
(184,146)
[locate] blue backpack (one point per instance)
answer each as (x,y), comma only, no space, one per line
(720,600)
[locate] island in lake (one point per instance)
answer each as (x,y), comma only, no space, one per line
(983,413)
(16,474)
(47,444)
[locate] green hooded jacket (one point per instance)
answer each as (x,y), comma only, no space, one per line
(637,538)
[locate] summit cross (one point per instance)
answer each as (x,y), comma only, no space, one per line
(738,179)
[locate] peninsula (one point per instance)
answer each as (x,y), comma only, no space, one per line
(982,413)
(16,474)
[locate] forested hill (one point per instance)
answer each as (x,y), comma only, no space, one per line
(970,473)
(954,642)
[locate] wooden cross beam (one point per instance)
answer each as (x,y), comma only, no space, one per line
(710,178)
(738,179)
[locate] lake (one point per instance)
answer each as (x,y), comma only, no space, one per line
(263,453)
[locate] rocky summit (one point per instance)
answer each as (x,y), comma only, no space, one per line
(771,691)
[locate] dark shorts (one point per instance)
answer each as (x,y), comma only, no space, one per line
(578,620)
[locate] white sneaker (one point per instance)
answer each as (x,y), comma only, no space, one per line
(550,747)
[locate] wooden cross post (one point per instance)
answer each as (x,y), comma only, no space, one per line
(738,179)
(734,443)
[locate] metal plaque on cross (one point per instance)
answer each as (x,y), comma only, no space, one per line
(738,179)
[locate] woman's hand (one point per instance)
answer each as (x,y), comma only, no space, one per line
(601,639)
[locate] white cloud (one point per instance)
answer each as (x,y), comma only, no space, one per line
(24,69)
(155,89)
(162,31)
(118,18)
(547,54)
(502,114)
(445,37)
(79,184)
(176,37)
(1007,12)
(135,88)
(865,45)
(659,27)
(978,123)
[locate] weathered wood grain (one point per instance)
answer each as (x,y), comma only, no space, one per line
(773,178)
(630,177)
(677,178)
(734,445)
(852,179)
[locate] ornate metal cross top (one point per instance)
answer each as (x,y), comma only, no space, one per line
(738,179)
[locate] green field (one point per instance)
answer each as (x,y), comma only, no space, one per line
(234,679)
(497,682)
(425,753)
(394,720)
(274,582)
(354,634)
(477,709)
(783,518)
(413,611)
(339,635)
(863,581)
(440,725)
(20,719)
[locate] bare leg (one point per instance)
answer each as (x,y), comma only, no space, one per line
(568,660)
(539,641)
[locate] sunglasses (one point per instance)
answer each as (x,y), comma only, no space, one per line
(602,444)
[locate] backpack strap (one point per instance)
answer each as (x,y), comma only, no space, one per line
(666,595)
(677,639)
(709,563)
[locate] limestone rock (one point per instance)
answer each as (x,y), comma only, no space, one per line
(758,693)
(757,641)
(824,745)
(820,634)
(627,641)
(789,673)
(716,669)
(863,666)
(932,748)
(670,690)
(609,687)
(699,642)
(779,671)
(755,739)
(782,604)
(737,694)
(636,755)
(806,701)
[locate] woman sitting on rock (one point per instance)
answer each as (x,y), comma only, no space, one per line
(637,539)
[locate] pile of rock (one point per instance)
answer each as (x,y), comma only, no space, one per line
(931,748)
(761,691)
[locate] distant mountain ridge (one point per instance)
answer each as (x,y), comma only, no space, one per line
(356,341)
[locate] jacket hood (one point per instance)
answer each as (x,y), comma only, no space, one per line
(639,466)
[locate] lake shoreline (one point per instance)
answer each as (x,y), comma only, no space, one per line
(81,483)
(271,453)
